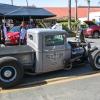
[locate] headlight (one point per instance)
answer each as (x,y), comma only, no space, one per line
(89,33)
(89,29)
(16,36)
(8,36)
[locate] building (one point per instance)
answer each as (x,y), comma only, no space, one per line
(63,11)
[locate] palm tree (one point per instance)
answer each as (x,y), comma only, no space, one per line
(12,2)
(76,10)
(69,14)
(99,2)
(27,2)
(88,2)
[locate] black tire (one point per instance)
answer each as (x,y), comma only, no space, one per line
(11,72)
(95,60)
(96,34)
(86,36)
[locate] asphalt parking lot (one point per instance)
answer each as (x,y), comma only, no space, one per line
(59,85)
(80,83)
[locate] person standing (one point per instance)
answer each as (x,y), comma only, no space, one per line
(22,33)
(0,34)
(3,31)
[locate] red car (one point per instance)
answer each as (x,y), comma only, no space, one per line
(13,35)
(92,30)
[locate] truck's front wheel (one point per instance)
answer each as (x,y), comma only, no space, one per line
(11,72)
(95,60)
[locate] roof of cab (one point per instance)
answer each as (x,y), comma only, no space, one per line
(44,30)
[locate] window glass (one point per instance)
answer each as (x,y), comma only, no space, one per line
(30,37)
(28,27)
(15,29)
(54,40)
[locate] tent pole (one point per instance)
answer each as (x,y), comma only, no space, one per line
(23,18)
(4,20)
(30,20)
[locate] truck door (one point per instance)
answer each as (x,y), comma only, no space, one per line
(53,52)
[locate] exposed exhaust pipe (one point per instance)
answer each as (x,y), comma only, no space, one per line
(68,63)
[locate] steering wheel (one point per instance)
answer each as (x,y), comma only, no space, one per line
(52,42)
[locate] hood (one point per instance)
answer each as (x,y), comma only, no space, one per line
(89,23)
(12,33)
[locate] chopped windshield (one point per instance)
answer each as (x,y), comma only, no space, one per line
(54,40)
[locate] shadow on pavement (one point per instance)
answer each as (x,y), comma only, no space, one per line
(39,80)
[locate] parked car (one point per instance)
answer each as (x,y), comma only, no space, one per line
(14,34)
(92,30)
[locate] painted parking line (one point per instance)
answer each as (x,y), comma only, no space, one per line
(48,82)
(56,79)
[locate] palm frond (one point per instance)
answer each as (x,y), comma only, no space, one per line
(76,0)
(87,0)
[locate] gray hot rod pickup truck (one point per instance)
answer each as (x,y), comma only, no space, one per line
(46,50)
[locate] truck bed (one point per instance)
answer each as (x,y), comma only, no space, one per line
(7,50)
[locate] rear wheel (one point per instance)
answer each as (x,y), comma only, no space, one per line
(96,34)
(95,60)
(11,72)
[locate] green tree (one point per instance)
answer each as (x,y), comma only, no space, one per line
(88,2)
(69,14)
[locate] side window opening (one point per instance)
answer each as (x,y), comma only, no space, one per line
(54,40)
(30,37)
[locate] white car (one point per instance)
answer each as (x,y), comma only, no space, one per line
(57,26)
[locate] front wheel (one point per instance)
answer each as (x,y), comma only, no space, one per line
(96,34)
(95,60)
(11,72)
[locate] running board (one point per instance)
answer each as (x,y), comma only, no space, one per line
(30,73)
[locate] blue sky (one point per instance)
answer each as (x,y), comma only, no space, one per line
(49,3)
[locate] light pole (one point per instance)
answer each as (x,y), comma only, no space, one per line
(27,2)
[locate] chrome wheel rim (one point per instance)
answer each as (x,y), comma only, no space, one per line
(96,35)
(97,61)
(8,73)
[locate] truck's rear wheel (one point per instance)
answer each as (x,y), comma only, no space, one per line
(95,60)
(11,72)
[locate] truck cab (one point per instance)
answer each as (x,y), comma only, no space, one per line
(51,48)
